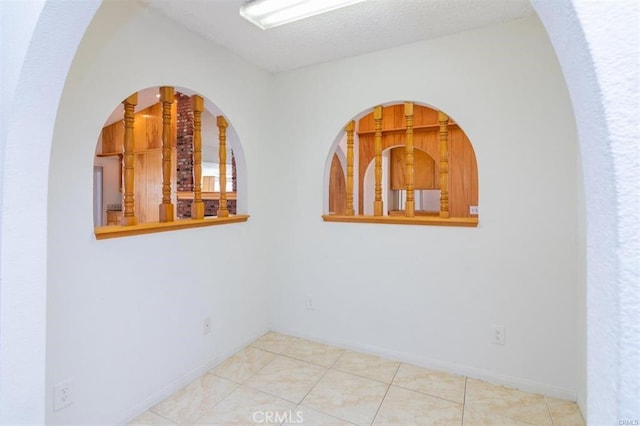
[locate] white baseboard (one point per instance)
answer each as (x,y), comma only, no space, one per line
(177,384)
(520,383)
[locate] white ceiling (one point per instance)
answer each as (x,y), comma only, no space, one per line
(353,30)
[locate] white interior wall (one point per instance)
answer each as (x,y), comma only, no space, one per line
(598,48)
(125,316)
(518,268)
(39,40)
(50,47)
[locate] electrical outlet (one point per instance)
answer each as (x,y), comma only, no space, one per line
(63,395)
(206,326)
(473,209)
(497,336)
(310,304)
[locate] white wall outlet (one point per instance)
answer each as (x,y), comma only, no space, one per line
(310,304)
(206,326)
(473,209)
(63,395)
(497,335)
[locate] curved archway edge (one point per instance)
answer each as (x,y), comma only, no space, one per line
(611,246)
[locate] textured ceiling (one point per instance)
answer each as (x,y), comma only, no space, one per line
(353,30)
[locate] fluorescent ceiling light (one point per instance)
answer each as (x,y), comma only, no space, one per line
(272,13)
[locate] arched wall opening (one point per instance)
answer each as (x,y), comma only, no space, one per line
(452,171)
(148,182)
(47,58)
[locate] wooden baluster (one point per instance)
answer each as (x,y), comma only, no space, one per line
(166,208)
(443,120)
(350,129)
(410,208)
(377,118)
(129,217)
(222,160)
(197,206)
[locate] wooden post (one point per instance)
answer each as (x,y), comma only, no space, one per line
(377,118)
(222,160)
(443,120)
(166,208)
(410,207)
(129,217)
(350,129)
(197,206)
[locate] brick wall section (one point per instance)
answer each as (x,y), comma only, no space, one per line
(234,175)
(210,207)
(184,148)
(184,172)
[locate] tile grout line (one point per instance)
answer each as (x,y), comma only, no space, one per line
(316,384)
(427,394)
(239,385)
(250,375)
(302,408)
(333,367)
(385,393)
(219,402)
(464,400)
(157,414)
(549,411)
(276,396)
(307,362)
(365,377)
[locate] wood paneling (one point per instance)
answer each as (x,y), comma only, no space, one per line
(337,188)
(148,167)
(394,119)
(112,137)
(148,185)
(208,183)
(147,131)
(463,172)
(424,173)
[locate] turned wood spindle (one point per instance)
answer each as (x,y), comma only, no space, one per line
(350,129)
(377,118)
(166,208)
(410,208)
(129,217)
(443,120)
(222,160)
(197,206)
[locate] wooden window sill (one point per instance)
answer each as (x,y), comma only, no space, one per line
(403,220)
(206,195)
(117,231)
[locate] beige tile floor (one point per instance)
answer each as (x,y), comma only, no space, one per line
(280,379)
